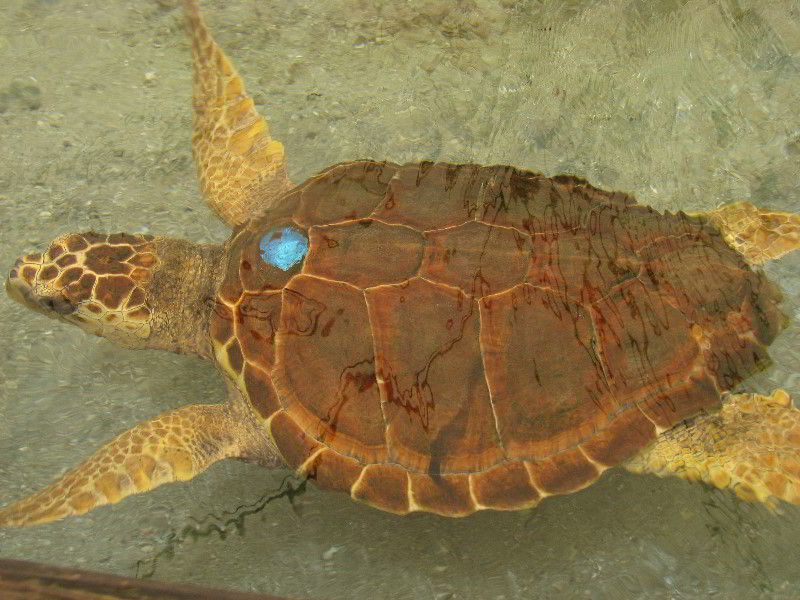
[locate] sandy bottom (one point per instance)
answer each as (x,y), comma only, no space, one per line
(684,104)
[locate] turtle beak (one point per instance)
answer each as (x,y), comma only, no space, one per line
(22,283)
(16,289)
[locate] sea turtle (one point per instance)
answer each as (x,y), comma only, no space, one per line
(430,336)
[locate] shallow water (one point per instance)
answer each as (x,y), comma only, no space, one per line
(684,104)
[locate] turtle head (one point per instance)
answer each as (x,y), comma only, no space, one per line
(138,290)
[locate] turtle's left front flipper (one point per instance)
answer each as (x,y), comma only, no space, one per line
(175,446)
(751,446)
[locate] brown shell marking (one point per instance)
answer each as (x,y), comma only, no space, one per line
(433,388)
(547,396)
(339,252)
(342,193)
(340,405)
(465,337)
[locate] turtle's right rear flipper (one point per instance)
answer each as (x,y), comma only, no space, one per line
(759,235)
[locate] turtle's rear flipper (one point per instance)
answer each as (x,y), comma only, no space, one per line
(175,446)
(759,235)
(752,446)
(240,167)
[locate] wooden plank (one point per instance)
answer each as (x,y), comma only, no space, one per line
(22,580)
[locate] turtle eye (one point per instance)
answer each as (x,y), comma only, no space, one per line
(283,248)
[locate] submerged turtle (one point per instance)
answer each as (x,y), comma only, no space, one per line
(433,337)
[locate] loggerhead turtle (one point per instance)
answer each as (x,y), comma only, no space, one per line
(429,336)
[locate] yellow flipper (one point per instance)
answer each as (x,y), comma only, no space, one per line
(759,235)
(240,167)
(751,446)
(173,447)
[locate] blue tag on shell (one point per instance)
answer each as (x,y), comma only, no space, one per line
(283,248)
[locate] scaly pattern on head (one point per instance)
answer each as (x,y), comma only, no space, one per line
(95,281)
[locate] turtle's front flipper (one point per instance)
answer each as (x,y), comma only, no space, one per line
(759,235)
(752,446)
(175,446)
(240,167)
